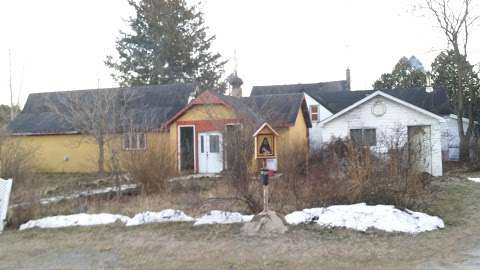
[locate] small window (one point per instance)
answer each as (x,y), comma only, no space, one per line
(370,137)
(364,137)
(202,145)
(356,136)
(134,141)
(214,143)
(314,113)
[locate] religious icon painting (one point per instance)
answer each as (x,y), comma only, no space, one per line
(265,146)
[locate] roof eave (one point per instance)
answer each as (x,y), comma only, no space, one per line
(385,95)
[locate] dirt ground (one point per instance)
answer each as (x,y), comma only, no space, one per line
(44,185)
(182,246)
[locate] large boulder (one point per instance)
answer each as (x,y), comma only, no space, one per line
(264,224)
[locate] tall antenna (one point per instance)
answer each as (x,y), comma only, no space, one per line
(12,113)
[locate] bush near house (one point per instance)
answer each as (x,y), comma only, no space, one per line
(339,173)
(151,168)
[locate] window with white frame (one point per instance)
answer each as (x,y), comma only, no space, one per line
(314,113)
(364,136)
(134,141)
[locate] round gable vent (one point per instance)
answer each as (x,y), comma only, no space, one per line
(379,108)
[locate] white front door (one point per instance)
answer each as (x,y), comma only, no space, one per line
(210,157)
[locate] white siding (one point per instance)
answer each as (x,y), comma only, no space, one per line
(315,133)
(393,123)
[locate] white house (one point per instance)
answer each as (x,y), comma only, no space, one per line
(451,138)
(326,99)
(381,117)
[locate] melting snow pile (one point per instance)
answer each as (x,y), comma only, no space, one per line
(221,217)
(74,220)
(168,215)
(362,217)
(162,216)
(474,179)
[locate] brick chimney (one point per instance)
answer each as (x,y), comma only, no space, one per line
(349,82)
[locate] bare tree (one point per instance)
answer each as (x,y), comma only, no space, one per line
(98,113)
(14,108)
(455,19)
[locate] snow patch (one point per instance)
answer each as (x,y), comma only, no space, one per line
(361,217)
(74,220)
(474,179)
(56,199)
(222,217)
(168,215)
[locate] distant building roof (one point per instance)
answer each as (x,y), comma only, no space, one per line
(148,107)
(335,97)
(278,110)
(333,86)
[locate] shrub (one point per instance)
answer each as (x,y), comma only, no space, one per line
(240,171)
(16,160)
(346,173)
(151,168)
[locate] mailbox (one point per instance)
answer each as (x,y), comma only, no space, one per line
(264,175)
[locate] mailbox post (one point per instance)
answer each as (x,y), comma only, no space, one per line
(265,149)
(264,175)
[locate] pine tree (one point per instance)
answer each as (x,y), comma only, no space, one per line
(168,43)
(446,74)
(404,75)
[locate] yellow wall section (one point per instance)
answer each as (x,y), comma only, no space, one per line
(293,143)
(51,151)
(296,134)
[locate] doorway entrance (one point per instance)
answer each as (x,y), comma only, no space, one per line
(187,148)
(420,148)
(210,157)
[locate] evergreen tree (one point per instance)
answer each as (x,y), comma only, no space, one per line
(168,43)
(446,74)
(404,75)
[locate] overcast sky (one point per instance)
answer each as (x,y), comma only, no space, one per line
(61,45)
